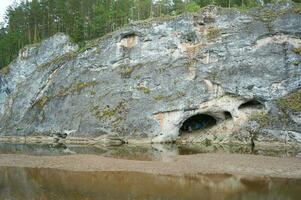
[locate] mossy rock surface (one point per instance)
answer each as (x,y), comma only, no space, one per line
(5,70)
(159,97)
(291,102)
(262,118)
(297,8)
(213,33)
(42,101)
(297,51)
(145,90)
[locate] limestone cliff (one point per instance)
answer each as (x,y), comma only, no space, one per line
(147,79)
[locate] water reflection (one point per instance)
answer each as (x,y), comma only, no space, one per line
(143,152)
(47,184)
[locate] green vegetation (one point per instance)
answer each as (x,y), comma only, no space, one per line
(297,51)
(4,70)
(145,90)
(213,33)
(109,112)
(159,98)
(192,7)
(19,129)
(268,15)
(291,102)
(261,118)
(115,113)
(126,72)
(58,60)
(286,104)
(297,8)
(92,92)
(29,22)
(180,94)
(80,86)
(42,102)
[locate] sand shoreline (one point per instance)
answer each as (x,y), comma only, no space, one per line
(207,163)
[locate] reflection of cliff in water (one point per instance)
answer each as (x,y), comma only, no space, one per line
(143,152)
(20,183)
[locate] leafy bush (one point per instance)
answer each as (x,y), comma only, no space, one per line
(192,7)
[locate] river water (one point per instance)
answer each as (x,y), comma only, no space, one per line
(51,184)
(143,152)
(18,183)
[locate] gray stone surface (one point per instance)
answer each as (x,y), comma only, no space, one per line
(146,79)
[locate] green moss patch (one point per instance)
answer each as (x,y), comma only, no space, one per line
(297,51)
(115,114)
(42,102)
(170,98)
(268,15)
(296,63)
(126,72)
(291,102)
(59,60)
(78,87)
(82,85)
(297,8)
(213,33)
(180,94)
(5,70)
(145,90)
(261,118)
(159,98)
(92,92)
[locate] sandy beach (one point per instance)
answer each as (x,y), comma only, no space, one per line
(208,163)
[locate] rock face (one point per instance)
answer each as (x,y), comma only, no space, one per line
(145,80)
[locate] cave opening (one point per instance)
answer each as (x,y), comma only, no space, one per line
(227,115)
(251,104)
(128,35)
(198,122)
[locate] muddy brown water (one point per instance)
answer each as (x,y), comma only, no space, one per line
(52,184)
(143,152)
(17,183)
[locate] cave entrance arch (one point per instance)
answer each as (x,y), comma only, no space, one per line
(251,104)
(197,122)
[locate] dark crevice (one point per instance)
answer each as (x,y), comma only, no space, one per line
(251,104)
(198,122)
(227,115)
(127,35)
